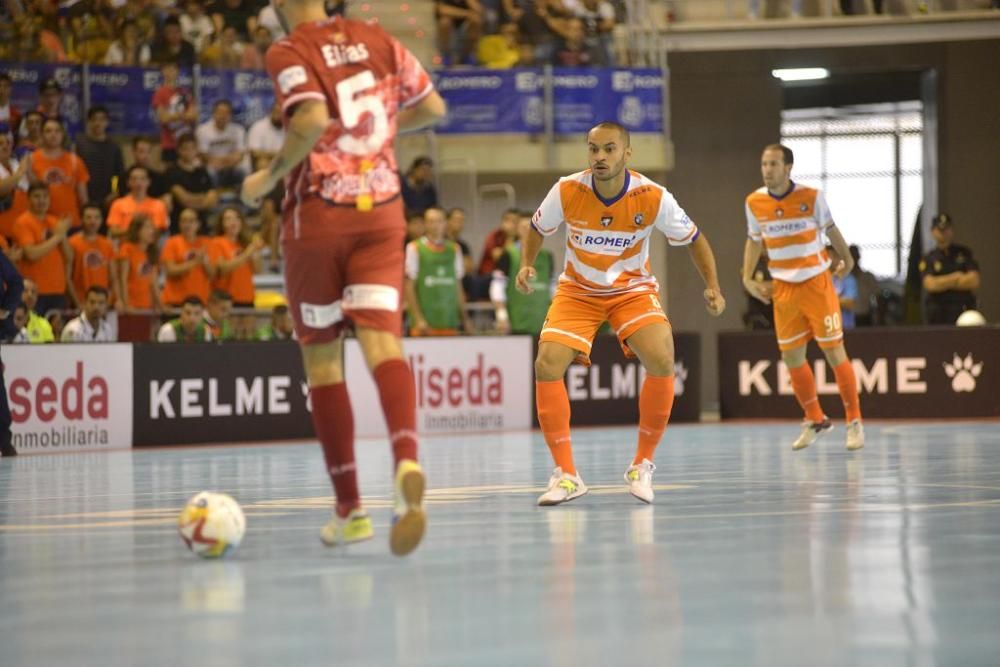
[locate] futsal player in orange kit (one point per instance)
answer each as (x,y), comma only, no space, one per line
(791,220)
(610,213)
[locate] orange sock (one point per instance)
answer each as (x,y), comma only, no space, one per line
(656,398)
(552,403)
(847,382)
(804,386)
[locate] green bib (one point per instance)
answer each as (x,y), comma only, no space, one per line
(436,280)
(527,311)
(199,332)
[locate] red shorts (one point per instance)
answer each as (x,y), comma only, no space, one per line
(342,272)
(805,310)
(573,319)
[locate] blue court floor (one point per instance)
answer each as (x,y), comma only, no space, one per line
(752,555)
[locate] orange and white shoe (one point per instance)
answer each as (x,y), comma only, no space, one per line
(409,520)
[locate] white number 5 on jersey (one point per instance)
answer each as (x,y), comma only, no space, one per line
(353,100)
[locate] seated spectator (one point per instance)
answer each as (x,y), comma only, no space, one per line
(102,157)
(573,50)
(186,263)
(498,240)
(20,325)
(226,52)
(535,20)
(189,183)
(264,140)
(519,313)
(236,257)
(433,285)
(93,258)
(65,173)
(30,133)
(36,43)
(50,100)
(238,14)
(141,13)
(138,267)
(36,327)
(47,254)
(456,224)
(417,186)
(500,51)
(142,156)
(868,290)
(281,326)
(9,114)
(268,18)
(461,20)
(175,109)
(598,18)
(189,327)
(196,26)
(92,325)
(220,306)
(950,275)
(172,47)
(57,322)
(137,201)
(13,185)
(253,54)
(89,34)
(223,146)
(128,50)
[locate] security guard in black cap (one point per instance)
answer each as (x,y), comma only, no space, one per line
(950,275)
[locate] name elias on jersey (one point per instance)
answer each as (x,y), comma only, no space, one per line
(336,55)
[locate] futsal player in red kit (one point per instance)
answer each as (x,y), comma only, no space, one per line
(346,87)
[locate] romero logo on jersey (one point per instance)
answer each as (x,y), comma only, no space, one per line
(291,77)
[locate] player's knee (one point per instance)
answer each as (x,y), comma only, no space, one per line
(661,365)
(548,368)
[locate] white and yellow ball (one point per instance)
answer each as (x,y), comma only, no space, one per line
(212,524)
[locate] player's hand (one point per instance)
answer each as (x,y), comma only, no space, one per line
(843,268)
(14,253)
(257,243)
(120,307)
(420,327)
(63,225)
(255,187)
(715,303)
(503,327)
(759,290)
(525,274)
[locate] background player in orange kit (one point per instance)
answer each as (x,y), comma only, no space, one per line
(610,213)
(791,220)
(345,87)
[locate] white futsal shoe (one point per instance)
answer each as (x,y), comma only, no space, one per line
(563,487)
(640,480)
(811,432)
(855,435)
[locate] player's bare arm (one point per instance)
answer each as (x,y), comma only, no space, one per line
(758,289)
(306,126)
(846,263)
(532,243)
(704,261)
(424,113)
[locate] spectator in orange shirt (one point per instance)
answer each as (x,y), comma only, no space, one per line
(93,259)
(137,201)
(236,258)
(138,267)
(63,172)
(13,185)
(46,252)
(185,260)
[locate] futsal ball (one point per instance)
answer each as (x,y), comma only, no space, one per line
(971,318)
(212,524)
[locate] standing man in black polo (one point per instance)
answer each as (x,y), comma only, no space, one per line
(950,275)
(11,286)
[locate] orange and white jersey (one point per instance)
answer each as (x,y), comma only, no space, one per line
(607,240)
(791,227)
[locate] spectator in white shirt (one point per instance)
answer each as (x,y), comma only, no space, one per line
(269,19)
(128,49)
(266,137)
(91,326)
(598,18)
(223,147)
(196,26)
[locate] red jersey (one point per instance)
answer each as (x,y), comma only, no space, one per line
(365,77)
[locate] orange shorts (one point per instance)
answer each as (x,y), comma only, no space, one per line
(573,319)
(807,310)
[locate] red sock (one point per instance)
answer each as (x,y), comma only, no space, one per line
(334,423)
(656,399)
(804,386)
(552,403)
(847,382)
(398,394)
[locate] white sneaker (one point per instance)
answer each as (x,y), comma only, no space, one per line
(640,480)
(811,432)
(855,435)
(563,487)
